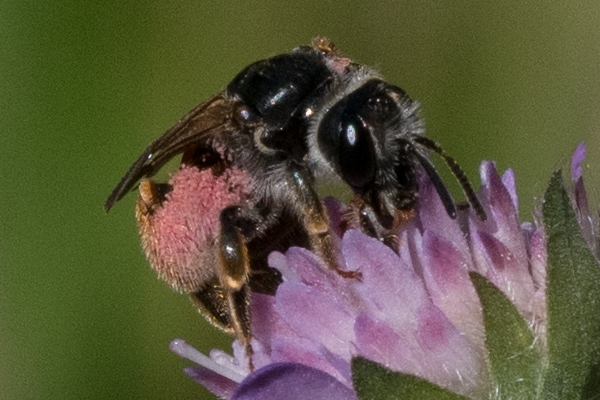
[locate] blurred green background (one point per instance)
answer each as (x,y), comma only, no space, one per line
(84,87)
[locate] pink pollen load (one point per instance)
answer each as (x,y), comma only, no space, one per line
(179,237)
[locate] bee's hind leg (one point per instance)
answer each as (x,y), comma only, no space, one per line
(234,273)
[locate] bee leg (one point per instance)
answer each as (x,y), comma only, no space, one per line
(367,220)
(211,302)
(234,270)
(315,219)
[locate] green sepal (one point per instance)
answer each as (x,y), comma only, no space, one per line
(372,381)
(514,359)
(573,301)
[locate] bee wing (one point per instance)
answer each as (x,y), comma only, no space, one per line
(204,122)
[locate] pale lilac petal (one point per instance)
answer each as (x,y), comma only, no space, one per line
(510,183)
(377,341)
(446,277)
(503,221)
(411,240)
(499,246)
(435,351)
(316,315)
(298,264)
(278,261)
(448,358)
(576,161)
(292,381)
(237,362)
(403,329)
(301,265)
(505,270)
(260,358)
(582,210)
(220,373)
(581,201)
(343,370)
(225,365)
(433,217)
(390,290)
(264,319)
(311,270)
(213,382)
(307,352)
(539,258)
(587,222)
(538,321)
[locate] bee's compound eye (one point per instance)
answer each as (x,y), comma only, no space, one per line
(344,138)
(356,152)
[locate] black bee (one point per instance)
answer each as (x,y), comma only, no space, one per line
(251,155)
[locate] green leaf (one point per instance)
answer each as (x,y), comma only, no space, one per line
(573,301)
(514,359)
(591,389)
(375,382)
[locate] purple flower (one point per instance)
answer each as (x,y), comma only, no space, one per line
(589,226)
(416,312)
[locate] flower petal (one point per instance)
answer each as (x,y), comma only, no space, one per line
(213,382)
(400,327)
(436,351)
(587,222)
(447,357)
(503,212)
(377,341)
(292,381)
(510,183)
(499,246)
(505,270)
(446,277)
(390,290)
(316,315)
(433,217)
(263,320)
(576,161)
(306,352)
(539,258)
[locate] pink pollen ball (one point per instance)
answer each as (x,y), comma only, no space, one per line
(179,237)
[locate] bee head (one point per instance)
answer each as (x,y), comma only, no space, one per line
(365,137)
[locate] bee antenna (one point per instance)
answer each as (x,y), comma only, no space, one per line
(438,184)
(457,171)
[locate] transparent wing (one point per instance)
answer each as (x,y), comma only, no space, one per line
(202,124)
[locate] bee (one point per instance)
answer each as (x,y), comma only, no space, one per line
(251,156)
